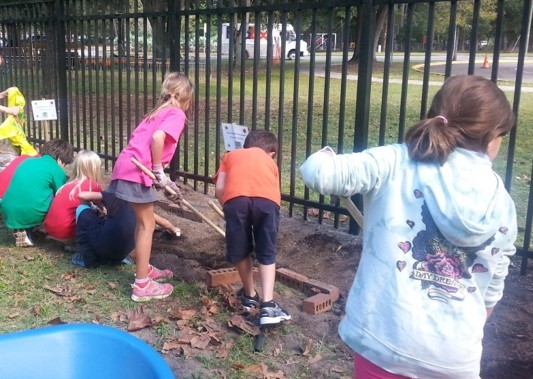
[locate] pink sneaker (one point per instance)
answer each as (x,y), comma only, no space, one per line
(152,290)
(159,275)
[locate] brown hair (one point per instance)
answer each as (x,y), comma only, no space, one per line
(58,149)
(263,139)
(176,90)
(468,112)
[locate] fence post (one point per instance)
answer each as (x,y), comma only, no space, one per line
(366,55)
(61,68)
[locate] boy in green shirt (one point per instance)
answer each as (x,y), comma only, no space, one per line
(32,188)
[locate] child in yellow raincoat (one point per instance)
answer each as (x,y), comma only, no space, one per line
(13,126)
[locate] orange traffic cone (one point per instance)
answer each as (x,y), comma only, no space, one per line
(486,61)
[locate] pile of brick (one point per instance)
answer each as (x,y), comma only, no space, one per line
(321,295)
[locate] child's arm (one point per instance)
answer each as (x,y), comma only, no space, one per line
(10,110)
(90,196)
(220,185)
(158,141)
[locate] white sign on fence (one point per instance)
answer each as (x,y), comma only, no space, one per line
(44,110)
(234,136)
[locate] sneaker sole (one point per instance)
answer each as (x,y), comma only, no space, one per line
(142,299)
(265,321)
(249,309)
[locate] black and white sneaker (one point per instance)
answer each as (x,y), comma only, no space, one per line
(272,314)
(248,302)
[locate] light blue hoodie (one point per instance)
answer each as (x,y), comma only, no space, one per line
(436,247)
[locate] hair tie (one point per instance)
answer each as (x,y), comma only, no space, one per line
(444,119)
(166,97)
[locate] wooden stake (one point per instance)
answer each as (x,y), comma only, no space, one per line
(184,202)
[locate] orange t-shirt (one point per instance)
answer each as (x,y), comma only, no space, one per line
(250,172)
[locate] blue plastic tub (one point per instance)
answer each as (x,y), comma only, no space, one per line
(79,351)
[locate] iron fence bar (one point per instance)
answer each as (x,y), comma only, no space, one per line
(427,59)
(255,65)
(218,114)
(498,39)
(62,70)
(310,99)
(269,65)
(326,103)
(295,108)
(362,109)
(450,44)
(389,48)
(406,71)
(473,37)
(207,106)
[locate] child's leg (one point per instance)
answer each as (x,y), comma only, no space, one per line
(267,273)
(166,224)
(143,237)
(244,267)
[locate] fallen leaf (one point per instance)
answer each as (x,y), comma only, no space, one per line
(200,342)
(171,345)
(37,310)
(56,321)
(60,290)
(68,276)
(313,212)
(315,359)
(182,314)
(238,321)
(261,371)
(119,316)
(112,285)
(138,319)
(29,257)
(308,347)
(13,315)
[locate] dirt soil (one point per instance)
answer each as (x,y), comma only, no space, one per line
(323,253)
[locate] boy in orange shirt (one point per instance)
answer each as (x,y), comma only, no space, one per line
(247,185)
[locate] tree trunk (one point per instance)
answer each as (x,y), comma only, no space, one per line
(381,16)
(161,38)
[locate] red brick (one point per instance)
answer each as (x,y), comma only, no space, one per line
(316,304)
(314,286)
(291,278)
(224,276)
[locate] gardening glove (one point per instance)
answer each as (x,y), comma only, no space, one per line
(177,197)
(163,181)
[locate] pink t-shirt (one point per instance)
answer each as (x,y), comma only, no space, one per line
(60,221)
(171,120)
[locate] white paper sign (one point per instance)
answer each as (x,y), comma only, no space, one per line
(234,136)
(44,110)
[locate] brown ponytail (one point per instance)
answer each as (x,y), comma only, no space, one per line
(467,112)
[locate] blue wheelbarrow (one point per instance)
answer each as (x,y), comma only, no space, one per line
(79,351)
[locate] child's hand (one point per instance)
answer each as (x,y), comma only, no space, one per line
(161,180)
(177,196)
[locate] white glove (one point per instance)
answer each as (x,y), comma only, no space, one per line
(163,181)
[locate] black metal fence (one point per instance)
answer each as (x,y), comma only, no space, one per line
(313,72)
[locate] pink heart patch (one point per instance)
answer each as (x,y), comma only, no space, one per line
(478,267)
(503,229)
(410,223)
(401,265)
(494,251)
(418,194)
(405,246)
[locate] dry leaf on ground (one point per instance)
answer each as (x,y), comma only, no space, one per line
(138,319)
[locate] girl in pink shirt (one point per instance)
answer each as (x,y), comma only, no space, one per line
(152,143)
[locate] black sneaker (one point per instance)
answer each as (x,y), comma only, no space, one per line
(248,302)
(272,314)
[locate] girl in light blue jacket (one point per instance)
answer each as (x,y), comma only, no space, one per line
(439,229)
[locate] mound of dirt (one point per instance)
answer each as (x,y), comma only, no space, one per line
(323,253)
